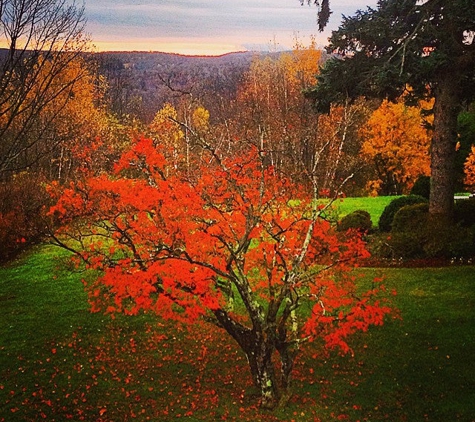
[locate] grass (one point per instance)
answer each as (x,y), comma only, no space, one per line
(59,362)
(374,205)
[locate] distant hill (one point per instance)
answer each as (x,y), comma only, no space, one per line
(141,82)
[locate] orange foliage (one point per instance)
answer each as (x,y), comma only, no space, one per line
(186,249)
(397,141)
(469,169)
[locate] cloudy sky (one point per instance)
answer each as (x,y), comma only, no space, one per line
(208,26)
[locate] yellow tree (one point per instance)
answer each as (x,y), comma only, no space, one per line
(272,112)
(73,121)
(180,130)
(166,130)
(396,140)
(44,145)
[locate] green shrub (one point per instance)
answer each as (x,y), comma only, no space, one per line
(407,245)
(448,240)
(379,245)
(386,219)
(464,212)
(409,231)
(411,218)
(421,187)
(415,234)
(359,220)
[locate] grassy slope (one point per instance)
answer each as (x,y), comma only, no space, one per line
(57,361)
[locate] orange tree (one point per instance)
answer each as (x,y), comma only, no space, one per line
(228,245)
(397,141)
(469,169)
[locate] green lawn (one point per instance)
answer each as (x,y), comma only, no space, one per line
(59,362)
(374,205)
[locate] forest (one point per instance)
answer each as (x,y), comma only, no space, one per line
(101,102)
(191,193)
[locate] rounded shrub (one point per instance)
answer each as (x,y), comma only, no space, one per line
(386,219)
(407,245)
(358,220)
(448,240)
(416,234)
(411,218)
(421,187)
(409,231)
(464,212)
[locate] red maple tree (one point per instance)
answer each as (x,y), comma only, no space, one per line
(233,244)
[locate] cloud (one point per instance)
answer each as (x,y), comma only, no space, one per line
(238,22)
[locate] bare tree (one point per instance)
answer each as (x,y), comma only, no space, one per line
(42,37)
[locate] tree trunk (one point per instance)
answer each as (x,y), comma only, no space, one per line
(259,355)
(258,349)
(287,358)
(446,109)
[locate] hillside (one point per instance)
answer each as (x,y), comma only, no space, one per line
(140,82)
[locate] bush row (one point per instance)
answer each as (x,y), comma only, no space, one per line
(408,231)
(416,234)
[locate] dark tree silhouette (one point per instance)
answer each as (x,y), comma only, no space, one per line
(324,11)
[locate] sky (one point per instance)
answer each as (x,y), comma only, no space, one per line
(208,27)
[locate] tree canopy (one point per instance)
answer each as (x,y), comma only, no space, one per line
(424,48)
(397,141)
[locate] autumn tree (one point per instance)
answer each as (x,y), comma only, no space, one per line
(167,132)
(71,123)
(427,45)
(68,125)
(228,246)
(466,139)
(42,39)
(469,169)
(396,139)
(339,157)
(273,114)
(182,132)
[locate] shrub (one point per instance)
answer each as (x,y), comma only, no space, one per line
(421,187)
(411,218)
(415,234)
(409,231)
(386,219)
(448,240)
(379,245)
(407,245)
(464,212)
(358,220)
(21,222)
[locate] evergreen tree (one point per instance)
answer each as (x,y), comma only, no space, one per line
(426,47)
